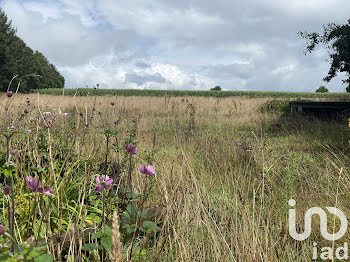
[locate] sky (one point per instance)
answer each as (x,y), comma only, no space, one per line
(181,44)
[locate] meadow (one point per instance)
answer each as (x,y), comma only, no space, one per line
(224,170)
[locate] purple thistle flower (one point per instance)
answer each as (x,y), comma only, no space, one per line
(147,170)
(50,121)
(2,229)
(12,127)
(6,190)
(103,182)
(131,149)
(30,240)
(9,93)
(42,118)
(13,151)
(28,131)
(46,190)
(26,111)
(34,184)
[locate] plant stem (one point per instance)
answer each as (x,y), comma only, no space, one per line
(9,215)
(11,208)
(41,222)
(30,230)
(103,211)
(12,214)
(107,147)
(138,215)
(103,219)
(130,171)
(8,148)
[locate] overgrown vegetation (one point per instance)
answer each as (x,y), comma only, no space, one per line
(224,172)
(276,106)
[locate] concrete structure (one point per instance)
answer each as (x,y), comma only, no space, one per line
(320,109)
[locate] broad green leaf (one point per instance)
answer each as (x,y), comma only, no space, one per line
(106,242)
(141,253)
(96,235)
(143,214)
(108,230)
(129,229)
(44,258)
(89,247)
(132,195)
(132,210)
(126,215)
(148,224)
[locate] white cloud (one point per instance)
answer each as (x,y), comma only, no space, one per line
(63,38)
(168,44)
(284,69)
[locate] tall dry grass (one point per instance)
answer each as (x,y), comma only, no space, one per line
(223,173)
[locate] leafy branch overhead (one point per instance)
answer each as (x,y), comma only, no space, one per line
(337,39)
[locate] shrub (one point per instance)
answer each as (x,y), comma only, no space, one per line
(275,105)
(217,88)
(322,89)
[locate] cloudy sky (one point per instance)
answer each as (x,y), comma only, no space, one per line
(181,44)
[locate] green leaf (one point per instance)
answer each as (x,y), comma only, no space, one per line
(4,257)
(44,258)
(123,190)
(126,216)
(149,226)
(89,247)
(141,252)
(129,229)
(132,210)
(143,214)
(32,254)
(106,242)
(41,248)
(108,230)
(96,235)
(132,195)
(7,172)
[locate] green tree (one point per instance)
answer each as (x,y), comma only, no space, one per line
(337,39)
(217,88)
(16,58)
(322,89)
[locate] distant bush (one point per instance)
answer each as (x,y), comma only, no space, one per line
(322,89)
(217,88)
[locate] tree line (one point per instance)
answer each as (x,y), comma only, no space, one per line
(16,58)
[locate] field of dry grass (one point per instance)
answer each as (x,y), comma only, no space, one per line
(224,173)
